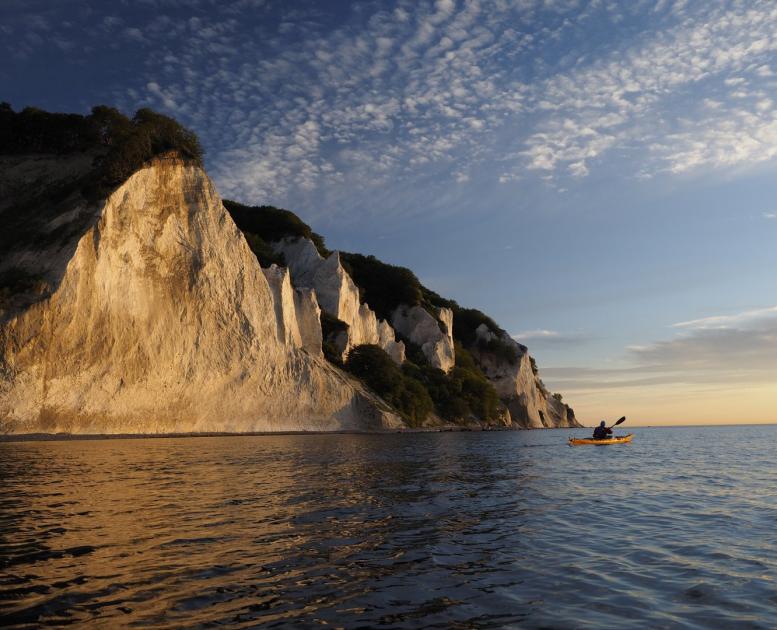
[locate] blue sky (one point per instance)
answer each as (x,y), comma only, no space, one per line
(598,176)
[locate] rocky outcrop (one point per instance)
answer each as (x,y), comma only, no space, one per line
(308,320)
(339,296)
(157,318)
(531,405)
(297,312)
(434,335)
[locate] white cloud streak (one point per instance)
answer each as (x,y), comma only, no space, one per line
(727,351)
(728,322)
(541,337)
(648,97)
(290,103)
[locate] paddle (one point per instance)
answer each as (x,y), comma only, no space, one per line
(619,421)
(614,424)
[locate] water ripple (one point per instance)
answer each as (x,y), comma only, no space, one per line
(491,530)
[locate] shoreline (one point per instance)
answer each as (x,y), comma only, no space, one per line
(68,437)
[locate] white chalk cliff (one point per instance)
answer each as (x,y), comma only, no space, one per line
(434,335)
(530,405)
(338,295)
(296,311)
(158,319)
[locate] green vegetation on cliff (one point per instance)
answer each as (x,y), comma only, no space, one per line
(272,224)
(385,287)
(106,146)
(123,144)
(462,393)
(406,394)
(382,286)
(417,389)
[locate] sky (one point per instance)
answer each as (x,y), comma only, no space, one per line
(599,177)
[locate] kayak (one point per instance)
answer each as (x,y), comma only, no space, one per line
(621,439)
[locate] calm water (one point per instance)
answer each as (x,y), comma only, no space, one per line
(678,529)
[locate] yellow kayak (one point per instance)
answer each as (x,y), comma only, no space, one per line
(622,439)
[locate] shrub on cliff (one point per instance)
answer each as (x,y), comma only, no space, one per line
(466,321)
(123,145)
(476,390)
(142,137)
(134,142)
(384,287)
(461,394)
(376,369)
(263,252)
(331,328)
(273,224)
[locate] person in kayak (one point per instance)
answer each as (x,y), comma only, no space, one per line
(602,432)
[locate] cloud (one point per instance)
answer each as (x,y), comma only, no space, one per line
(770,215)
(743,345)
(417,89)
(728,322)
(428,91)
(537,334)
(648,95)
(715,353)
(134,34)
(541,337)
(165,97)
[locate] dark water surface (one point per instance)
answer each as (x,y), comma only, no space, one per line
(514,529)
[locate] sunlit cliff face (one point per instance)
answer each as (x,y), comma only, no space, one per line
(161,321)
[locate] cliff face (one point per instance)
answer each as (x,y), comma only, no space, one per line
(297,313)
(156,317)
(339,296)
(531,405)
(435,337)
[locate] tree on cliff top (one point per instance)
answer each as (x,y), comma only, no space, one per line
(116,146)
(273,224)
(382,286)
(33,130)
(123,144)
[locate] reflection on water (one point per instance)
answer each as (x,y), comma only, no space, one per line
(463,530)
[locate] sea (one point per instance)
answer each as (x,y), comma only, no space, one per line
(512,529)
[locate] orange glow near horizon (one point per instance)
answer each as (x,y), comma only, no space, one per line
(679,404)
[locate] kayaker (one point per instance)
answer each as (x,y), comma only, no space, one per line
(602,432)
